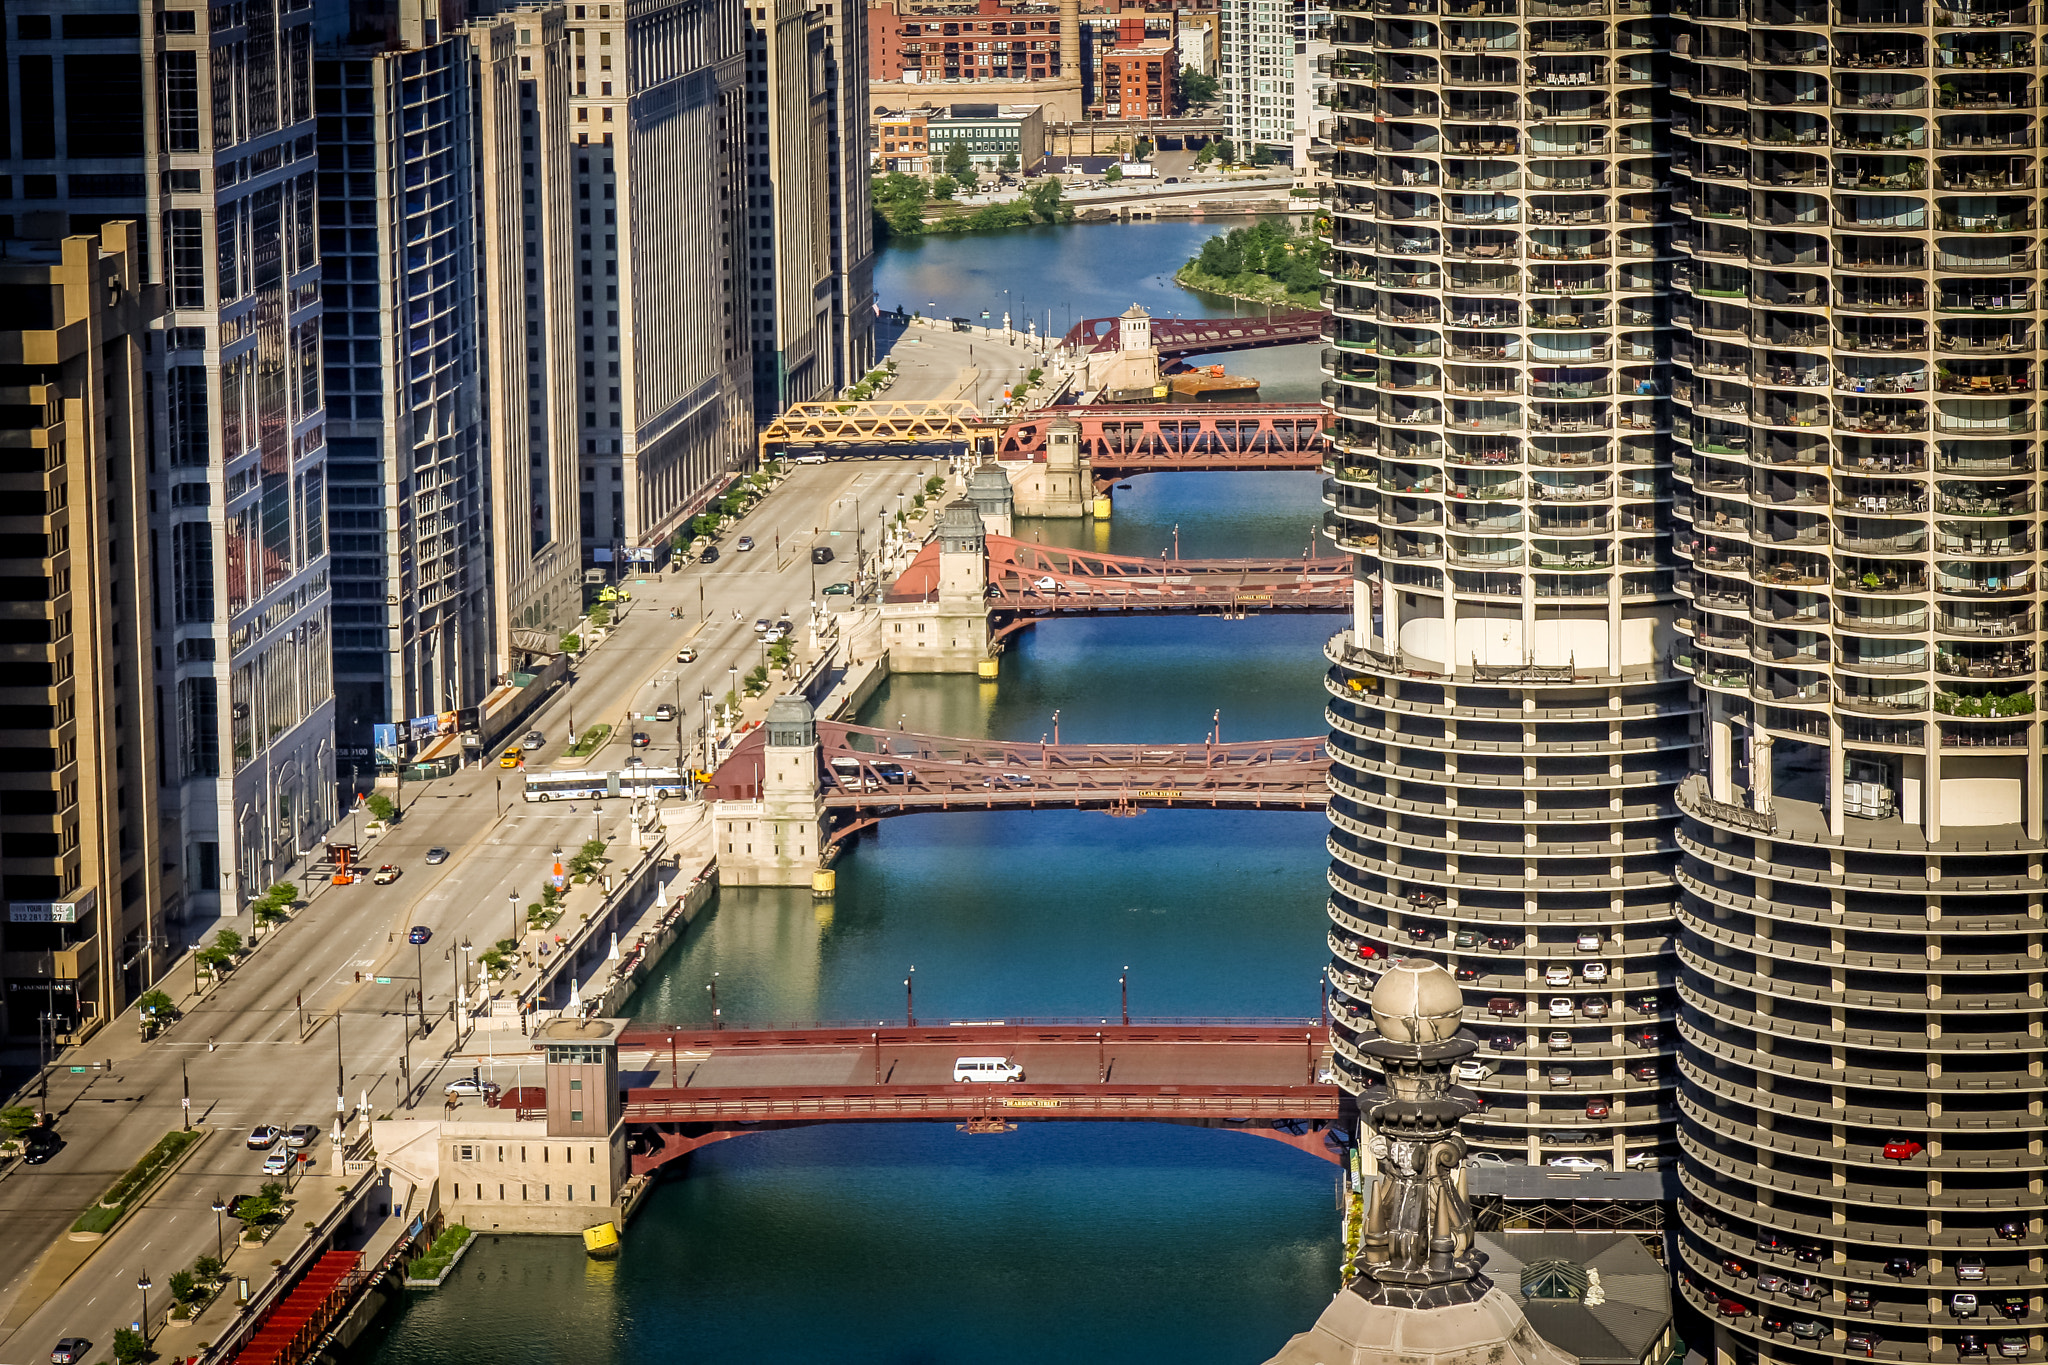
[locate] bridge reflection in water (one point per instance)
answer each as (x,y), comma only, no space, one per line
(1266,1077)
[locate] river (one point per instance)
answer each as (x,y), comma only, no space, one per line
(1056,1242)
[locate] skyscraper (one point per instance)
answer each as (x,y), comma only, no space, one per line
(809,230)
(398,238)
(197,123)
(81,862)
(1507,728)
(1854,368)
(663,359)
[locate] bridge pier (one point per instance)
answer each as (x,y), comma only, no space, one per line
(945,630)
(775,835)
(1064,485)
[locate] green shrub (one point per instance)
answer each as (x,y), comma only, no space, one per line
(429,1264)
(381,809)
(157,1008)
(571,643)
(184,1288)
(129,1346)
(207,1268)
(124,1191)
(16,1120)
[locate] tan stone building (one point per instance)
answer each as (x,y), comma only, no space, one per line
(81,865)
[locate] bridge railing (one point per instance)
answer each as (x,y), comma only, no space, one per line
(648,1034)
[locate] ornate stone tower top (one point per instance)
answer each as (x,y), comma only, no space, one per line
(791,723)
(1417,1246)
(960,529)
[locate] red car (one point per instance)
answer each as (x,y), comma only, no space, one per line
(1597,1109)
(1735,1268)
(1732,1309)
(1902,1151)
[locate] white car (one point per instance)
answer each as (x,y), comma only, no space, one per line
(1560,1007)
(1583,1165)
(468,1087)
(1557,976)
(1595,971)
(277,1163)
(1642,1161)
(1047,584)
(1473,1070)
(1589,942)
(808,459)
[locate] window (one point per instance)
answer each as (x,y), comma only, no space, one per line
(180,76)
(185,255)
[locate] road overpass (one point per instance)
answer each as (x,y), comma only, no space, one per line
(703,1085)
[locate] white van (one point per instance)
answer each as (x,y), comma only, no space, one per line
(986,1069)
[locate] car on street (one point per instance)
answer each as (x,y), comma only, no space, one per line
(436,856)
(1583,1165)
(635,761)
(386,874)
(277,1163)
(745,543)
(512,758)
(808,459)
(469,1088)
(664,712)
(710,555)
(1594,971)
(686,655)
(39,1146)
(641,739)
(70,1351)
(839,589)
(419,933)
(1047,584)
(1901,1149)
(534,739)
(761,626)
(821,554)
(301,1135)
(263,1136)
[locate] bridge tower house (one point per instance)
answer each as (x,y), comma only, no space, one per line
(774,839)
(1064,485)
(946,631)
(988,488)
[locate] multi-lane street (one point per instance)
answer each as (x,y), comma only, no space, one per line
(240,1049)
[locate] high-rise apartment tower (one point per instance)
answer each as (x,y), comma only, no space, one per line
(1507,729)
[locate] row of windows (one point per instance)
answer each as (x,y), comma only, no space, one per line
(546,1193)
(483,1152)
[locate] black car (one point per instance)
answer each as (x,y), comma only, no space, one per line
(1467,973)
(2014,1306)
(821,554)
(1501,943)
(641,739)
(1864,1341)
(1505,1042)
(419,933)
(1859,1300)
(1808,1253)
(1773,1323)
(1902,1265)
(1969,1344)
(1770,1243)
(710,555)
(2012,1232)
(1647,1004)
(39,1146)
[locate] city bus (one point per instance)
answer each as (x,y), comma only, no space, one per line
(599,786)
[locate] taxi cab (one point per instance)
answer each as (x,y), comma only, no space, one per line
(512,758)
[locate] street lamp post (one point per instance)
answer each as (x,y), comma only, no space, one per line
(220,1207)
(512,901)
(713,988)
(142,1282)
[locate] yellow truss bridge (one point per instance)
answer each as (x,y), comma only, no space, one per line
(879,422)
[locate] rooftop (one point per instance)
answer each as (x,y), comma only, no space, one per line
(1626,1304)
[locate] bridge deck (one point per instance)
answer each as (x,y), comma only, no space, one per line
(1111,1071)
(1205,336)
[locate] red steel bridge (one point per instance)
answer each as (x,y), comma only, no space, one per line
(698,1085)
(1030,582)
(1177,337)
(868,774)
(1120,440)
